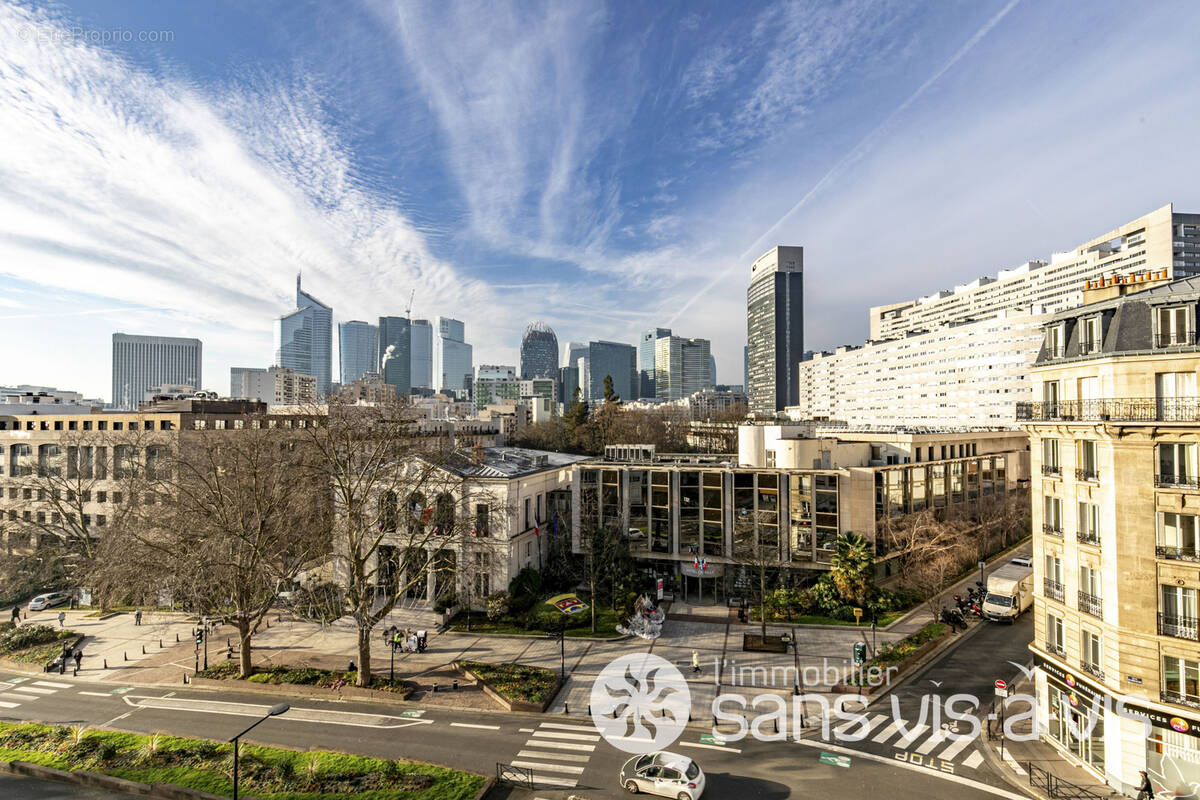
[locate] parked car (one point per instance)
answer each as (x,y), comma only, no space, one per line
(637,533)
(49,600)
(663,774)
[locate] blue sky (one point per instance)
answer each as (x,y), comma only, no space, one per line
(604,167)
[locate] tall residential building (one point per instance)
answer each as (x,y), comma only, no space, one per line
(247,382)
(139,362)
(646,345)
(539,351)
(453,359)
(775,329)
(681,367)
(395,353)
(496,384)
(422,354)
(358,348)
(278,386)
(304,339)
(613,360)
(1160,240)
(1116,532)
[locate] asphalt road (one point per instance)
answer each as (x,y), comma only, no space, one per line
(565,753)
(19,786)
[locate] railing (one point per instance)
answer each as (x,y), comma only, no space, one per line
(1057,788)
(1120,409)
(1185,481)
(1055,350)
(1054,589)
(1179,699)
(1057,649)
(1175,339)
(1088,537)
(1052,530)
(1051,470)
(1087,475)
(1177,553)
(1090,604)
(1091,669)
(516,776)
(1179,627)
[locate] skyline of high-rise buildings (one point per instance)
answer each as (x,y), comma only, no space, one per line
(358,350)
(775,329)
(141,362)
(395,353)
(304,339)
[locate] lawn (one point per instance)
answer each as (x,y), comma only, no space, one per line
(33,644)
(306,676)
(267,772)
(578,625)
(518,683)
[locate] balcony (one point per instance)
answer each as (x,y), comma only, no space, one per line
(1179,627)
(1090,604)
(1088,537)
(1052,470)
(1055,351)
(1175,339)
(1052,530)
(1087,475)
(1190,701)
(1120,409)
(1057,649)
(1053,589)
(1176,481)
(1177,553)
(1092,669)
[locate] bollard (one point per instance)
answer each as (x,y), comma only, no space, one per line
(185,678)
(589,709)
(106,663)
(125,655)
(268,622)
(176,638)
(435,688)
(566,709)
(160,644)
(454,686)
(776,720)
(143,649)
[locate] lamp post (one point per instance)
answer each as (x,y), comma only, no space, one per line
(273,711)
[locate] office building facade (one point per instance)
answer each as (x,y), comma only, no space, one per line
(496,384)
(775,329)
(682,367)
(539,352)
(304,339)
(647,343)
(453,357)
(421,335)
(395,353)
(358,350)
(140,362)
(614,360)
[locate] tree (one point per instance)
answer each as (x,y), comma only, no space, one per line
(853,569)
(610,395)
(761,556)
(929,552)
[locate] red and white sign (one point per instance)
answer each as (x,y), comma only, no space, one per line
(1001,685)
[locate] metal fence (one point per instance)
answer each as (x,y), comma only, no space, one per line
(515,776)
(1119,409)
(1056,787)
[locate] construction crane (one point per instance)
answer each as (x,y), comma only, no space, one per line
(408,311)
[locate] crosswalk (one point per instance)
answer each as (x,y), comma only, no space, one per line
(914,739)
(557,753)
(15,692)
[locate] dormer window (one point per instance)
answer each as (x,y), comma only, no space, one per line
(1056,337)
(1173,326)
(1089,335)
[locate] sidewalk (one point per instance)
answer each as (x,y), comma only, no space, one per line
(1013,761)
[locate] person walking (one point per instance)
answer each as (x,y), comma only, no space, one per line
(137,617)
(695,661)
(16,615)
(78,658)
(62,618)
(1144,790)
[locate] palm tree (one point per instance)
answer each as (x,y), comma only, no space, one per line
(853,569)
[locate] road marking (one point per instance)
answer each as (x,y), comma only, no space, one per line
(96,694)
(955,748)
(24,697)
(561,726)
(8,705)
(469,725)
(548,781)
(579,737)
(35,690)
(587,748)
(525,730)
(710,747)
(117,718)
(53,685)
(555,756)
(552,767)
(322,716)
(1012,762)
(972,761)
(977,785)
(886,733)
(857,723)
(910,737)
(933,741)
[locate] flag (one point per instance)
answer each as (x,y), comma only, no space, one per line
(536,529)
(556,526)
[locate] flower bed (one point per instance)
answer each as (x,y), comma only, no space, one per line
(897,656)
(280,675)
(33,644)
(269,773)
(518,684)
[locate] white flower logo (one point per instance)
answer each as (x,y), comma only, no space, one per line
(640,703)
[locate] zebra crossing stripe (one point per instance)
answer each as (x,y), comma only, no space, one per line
(932,742)
(52,685)
(955,748)
(552,767)
(911,737)
(587,748)
(8,705)
(886,733)
(578,737)
(972,761)
(857,724)
(554,756)
(561,726)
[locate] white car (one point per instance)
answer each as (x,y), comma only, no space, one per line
(49,600)
(663,774)
(637,533)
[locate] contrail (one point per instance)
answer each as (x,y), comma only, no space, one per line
(857,152)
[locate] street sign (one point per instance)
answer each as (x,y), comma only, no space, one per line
(709,738)
(1001,684)
(833,759)
(857,615)
(1001,689)
(659,588)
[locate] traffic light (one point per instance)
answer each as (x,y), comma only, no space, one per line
(199,637)
(860,652)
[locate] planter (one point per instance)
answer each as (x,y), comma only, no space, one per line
(757,643)
(505,703)
(911,661)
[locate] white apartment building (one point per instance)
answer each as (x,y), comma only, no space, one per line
(1160,240)
(966,375)
(275,385)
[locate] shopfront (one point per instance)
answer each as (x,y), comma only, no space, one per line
(1075,716)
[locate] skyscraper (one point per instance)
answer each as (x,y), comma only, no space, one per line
(712,370)
(681,367)
(453,358)
(422,354)
(358,349)
(395,353)
(646,345)
(304,339)
(614,360)
(775,329)
(539,352)
(139,362)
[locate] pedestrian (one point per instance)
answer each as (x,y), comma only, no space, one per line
(137,617)
(1144,790)
(16,615)
(78,658)
(62,617)
(695,661)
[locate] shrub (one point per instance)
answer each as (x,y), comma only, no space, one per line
(497,605)
(445,603)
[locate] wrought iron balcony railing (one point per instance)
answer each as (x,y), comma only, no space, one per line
(1091,669)
(1177,553)
(1054,589)
(1117,409)
(1088,537)
(1090,604)
(1087,475)
(1057,649)
(1172,480)
(1179,627)
(1052,530)
(1169,696)
(1051,470)
(1175,339)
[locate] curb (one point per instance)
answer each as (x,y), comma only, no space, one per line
(1003,771)
(926,661)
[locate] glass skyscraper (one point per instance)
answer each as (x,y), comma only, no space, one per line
(395,353)
(615,360)
(358,349)
(453,359)
(422,354)
(646,346)
(775,329)
(304,339)
(539,352)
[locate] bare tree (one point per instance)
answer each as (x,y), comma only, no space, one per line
(929,553)
(760,556)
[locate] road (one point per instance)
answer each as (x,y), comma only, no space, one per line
(565,752)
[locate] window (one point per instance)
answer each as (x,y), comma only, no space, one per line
(1176,535)
(1178,615)
(1087,468)
(1055,337)
(1089,340)
(1050,464)
(1054,577)
(1089,523)
(1051,393)
(1090,655)
(1181,680)
(1089,393)
(1055,639)
(1089,591)
(528,513)
(1176,464)
(1052,521)
(1172,326)
(482,524)
(1176,395)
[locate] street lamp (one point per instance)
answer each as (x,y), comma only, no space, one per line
(273,711)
